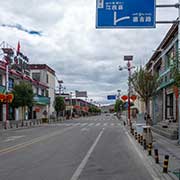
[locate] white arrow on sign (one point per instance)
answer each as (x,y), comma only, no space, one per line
(120,19)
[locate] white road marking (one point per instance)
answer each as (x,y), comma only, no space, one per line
(83,124)
(97,124)
(105,124)
(83,163)
(91,124)
(85,129)
(112,124)
(67,124)
(12,138)
(77,124)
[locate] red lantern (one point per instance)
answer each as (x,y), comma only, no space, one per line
(133,97)
(124,98)
(2,97)
(9,98)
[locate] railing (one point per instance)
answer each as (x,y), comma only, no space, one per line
(16,124)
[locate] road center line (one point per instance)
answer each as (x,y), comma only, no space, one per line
(85,160)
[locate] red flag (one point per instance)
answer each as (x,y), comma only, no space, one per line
(18,48)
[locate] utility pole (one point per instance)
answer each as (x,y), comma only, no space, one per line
(128,67)
(7,90)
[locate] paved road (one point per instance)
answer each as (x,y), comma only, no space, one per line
(94,148)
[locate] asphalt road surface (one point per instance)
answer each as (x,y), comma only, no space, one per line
(93,148)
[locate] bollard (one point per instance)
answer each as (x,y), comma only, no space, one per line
(133,132)
(11,126)
(156,156)
(136,135)
(26,124)
(150,149)
(144,144)
(30,123)
(141,140)
(165,166)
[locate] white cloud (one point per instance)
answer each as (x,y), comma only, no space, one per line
(84,57)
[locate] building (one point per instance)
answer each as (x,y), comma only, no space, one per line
(165,58)
(19,71)
(45,75)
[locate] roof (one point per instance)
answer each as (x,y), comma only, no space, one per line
(22,76)
(41,66)
(165,42)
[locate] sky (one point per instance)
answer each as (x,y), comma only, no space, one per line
(62,34)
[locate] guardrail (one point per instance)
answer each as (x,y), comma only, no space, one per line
(16,124)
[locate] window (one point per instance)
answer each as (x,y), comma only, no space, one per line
(1,83)
(169,105)
(47,93)
(170,57)
(36,76)
(11,83)
(42,92)
(37,91)
(47,78)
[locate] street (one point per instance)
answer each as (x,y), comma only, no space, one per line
(90,148)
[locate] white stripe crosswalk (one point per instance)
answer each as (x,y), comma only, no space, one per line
(90,124)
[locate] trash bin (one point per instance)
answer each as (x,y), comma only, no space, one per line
(147,134)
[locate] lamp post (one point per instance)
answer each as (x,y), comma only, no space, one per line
(60,82)
(128,67)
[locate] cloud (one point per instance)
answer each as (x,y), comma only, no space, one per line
(85,58)
(21,28)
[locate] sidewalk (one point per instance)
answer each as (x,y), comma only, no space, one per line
(165,146)
(168,147)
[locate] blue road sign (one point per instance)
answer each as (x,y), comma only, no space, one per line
(125,13)
(111,97)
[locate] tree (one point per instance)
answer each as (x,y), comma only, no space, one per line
(145,84)
(23,96)
(59,105)
(94,109)
(117,105)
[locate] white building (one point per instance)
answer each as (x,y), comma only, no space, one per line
(44,74)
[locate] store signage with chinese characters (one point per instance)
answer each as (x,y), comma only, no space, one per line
(6,98)
(125,13)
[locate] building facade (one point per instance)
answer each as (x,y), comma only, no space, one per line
(18,71)
(44,74)
(163,61)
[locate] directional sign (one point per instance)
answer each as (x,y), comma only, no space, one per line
(111,97)
(125,13)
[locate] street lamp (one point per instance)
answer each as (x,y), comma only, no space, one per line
(60,82)
(128,67)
